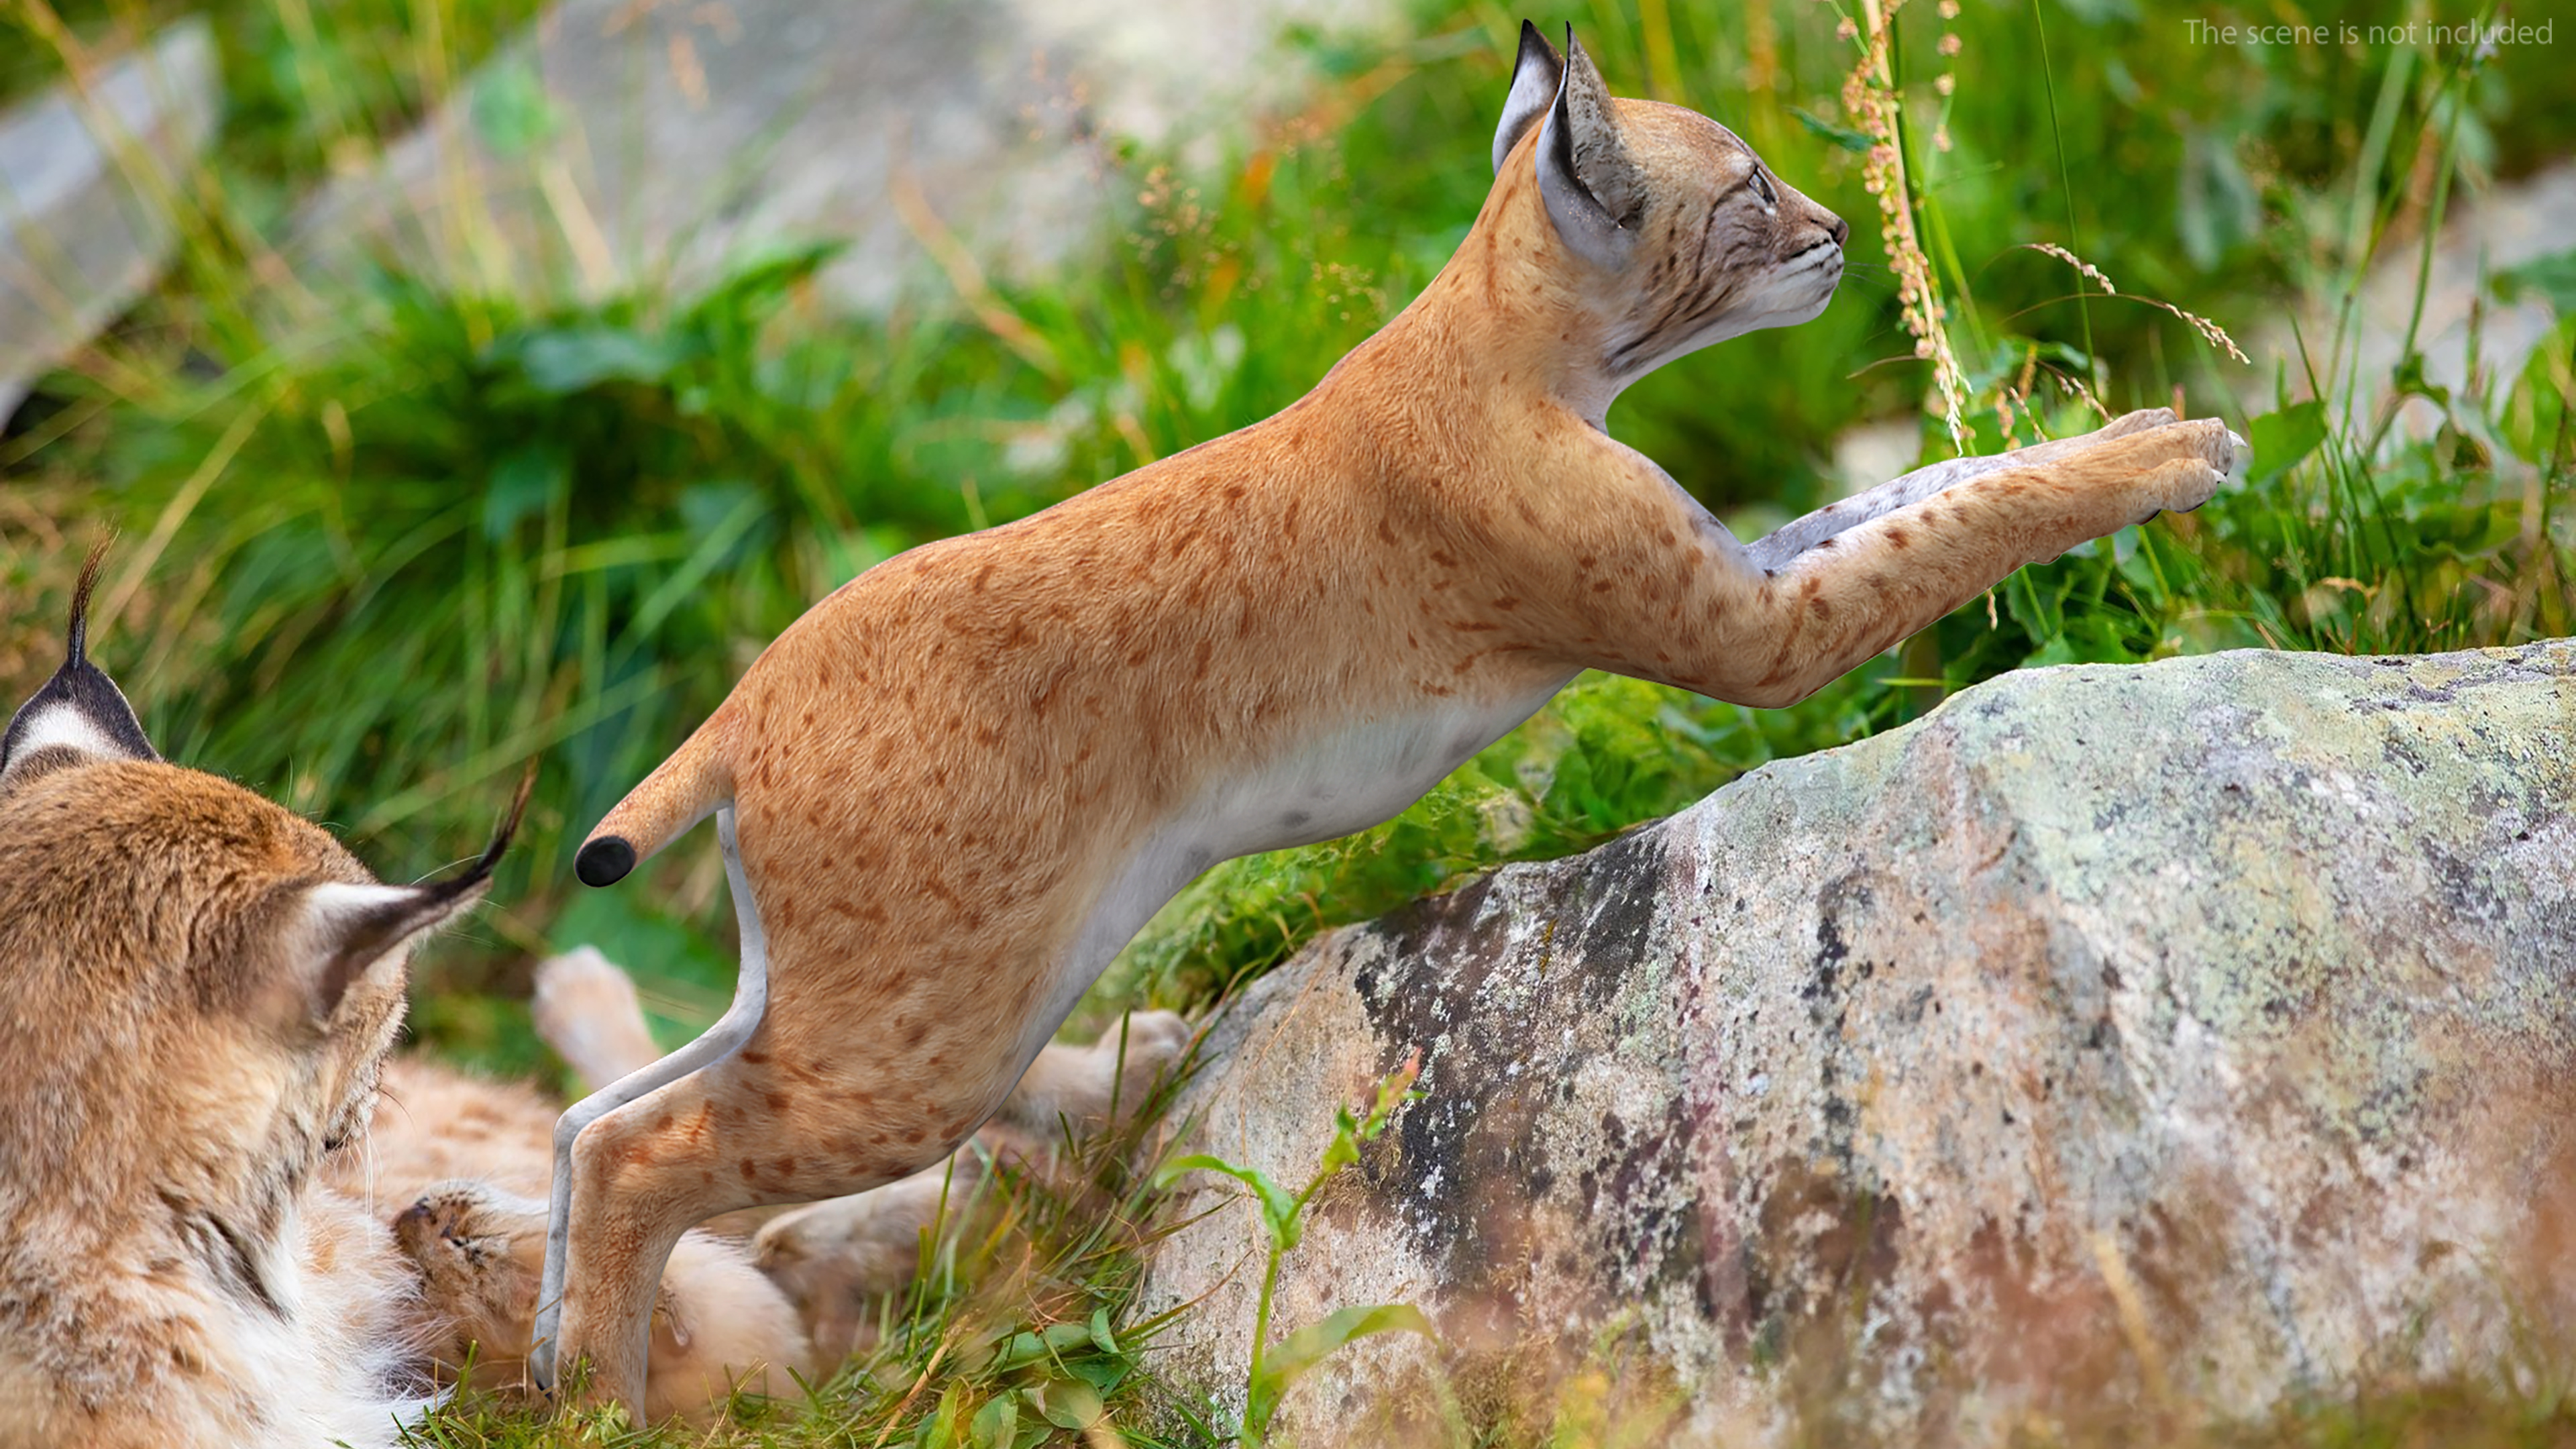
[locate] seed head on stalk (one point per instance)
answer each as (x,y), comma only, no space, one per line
(1871,99)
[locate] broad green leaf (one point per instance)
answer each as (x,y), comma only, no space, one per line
(1066,1403)
(1100,1332)
(569,359)
(1282,1366)
(1101,1373)
(2282,439)
(997,1424)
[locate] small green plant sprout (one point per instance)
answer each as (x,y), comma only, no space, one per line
(1274,1370)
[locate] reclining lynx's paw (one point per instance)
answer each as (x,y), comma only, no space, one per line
(480,1251)
(1154,1040)
(585,1008)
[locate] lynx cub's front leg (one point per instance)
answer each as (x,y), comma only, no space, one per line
(1787,542)
(952,790)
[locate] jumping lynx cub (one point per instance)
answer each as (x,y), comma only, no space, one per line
(950,793)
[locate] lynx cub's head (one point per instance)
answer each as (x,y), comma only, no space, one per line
(1674,232)
(197,986)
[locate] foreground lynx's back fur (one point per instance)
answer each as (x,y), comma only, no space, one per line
(197,991)
(951,791)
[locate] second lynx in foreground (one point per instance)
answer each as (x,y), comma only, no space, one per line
(954,789)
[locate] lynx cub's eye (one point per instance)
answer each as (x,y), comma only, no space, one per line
(1761,185)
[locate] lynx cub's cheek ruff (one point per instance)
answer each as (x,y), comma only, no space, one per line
(949,793)
(197,992)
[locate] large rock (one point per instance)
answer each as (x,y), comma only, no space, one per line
(2184,1037)
(85,177)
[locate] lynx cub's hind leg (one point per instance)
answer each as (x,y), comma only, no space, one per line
(744,1017)
(835,1259)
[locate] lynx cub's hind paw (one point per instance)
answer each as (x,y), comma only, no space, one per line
(1158,1035)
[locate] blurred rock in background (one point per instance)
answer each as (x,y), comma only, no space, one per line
(628,140)
(84,169)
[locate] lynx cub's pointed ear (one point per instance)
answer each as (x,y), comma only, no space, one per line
(1594,192)
(1535,77)
(351,933)
(80,714)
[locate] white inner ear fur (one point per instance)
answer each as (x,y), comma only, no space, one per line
(62,724)
(335,911)
(1533,91)
(336,905)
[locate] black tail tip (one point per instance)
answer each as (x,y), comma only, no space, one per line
(604,861)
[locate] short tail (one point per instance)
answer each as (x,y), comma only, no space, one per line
(679,793)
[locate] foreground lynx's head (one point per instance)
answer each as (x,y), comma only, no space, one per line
(1674,234)
(197,991)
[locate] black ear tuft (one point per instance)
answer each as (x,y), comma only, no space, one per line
(363,924)
(77,650)
(1536,74)
(80,709)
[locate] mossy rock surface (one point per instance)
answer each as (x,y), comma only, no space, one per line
(2115,1042)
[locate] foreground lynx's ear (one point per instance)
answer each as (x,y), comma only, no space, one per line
(1535,78)
(1593,189)
(80,709)
(350,930)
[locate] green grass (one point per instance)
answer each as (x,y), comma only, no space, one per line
(375,564)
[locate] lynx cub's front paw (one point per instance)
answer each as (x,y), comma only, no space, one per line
(2183,462)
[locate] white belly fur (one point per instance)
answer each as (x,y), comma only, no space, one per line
(1346,781)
